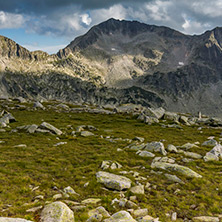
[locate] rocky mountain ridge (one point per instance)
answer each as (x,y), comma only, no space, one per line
(122,62)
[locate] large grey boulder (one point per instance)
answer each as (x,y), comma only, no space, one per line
(57,212)
(51,128)
(113,181)
(176,168)
(210,142)
(157,113)
(156,147)
(121,216)
(214,154)
(7,219)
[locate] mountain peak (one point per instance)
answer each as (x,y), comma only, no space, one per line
(126,28)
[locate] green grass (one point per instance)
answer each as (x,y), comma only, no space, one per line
(75,163)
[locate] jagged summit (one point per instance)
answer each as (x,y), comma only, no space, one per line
(115,27)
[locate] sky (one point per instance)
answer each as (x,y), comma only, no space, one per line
(50,25)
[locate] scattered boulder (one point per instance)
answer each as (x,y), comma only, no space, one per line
(210,143)
(156,147)
(7,219)
(205,219)
(106,164)
(91,201)
(173,178)
(157,113)
(184,120)
(57,212)
(192,155)
(38,105)
(150,120)
(51,128)
(171,148)
(172,116)
(140,139)
(136,146)
(86,133)
(140,212)
(163,159)
(99,210)
(137,189)
(214,154)
(188,146)
(145,153)
(113,181)
(176,168)
(121,216)
(70,190)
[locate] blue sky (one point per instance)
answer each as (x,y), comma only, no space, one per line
(50,25)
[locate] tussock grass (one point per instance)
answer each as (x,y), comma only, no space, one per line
(75,163)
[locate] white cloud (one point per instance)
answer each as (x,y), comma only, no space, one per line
(10,20)
(116,11)
(191,26)
(86,19)
(211,8)
(158,10)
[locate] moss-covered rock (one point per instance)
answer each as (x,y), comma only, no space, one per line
(57,212)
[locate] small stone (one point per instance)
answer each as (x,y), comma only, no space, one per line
(145,153)
(70,190)
(60,143)
(20,146)
(57,196)
(171,148)
(39,197)
(140,139)
(140,212)
(86,133)
(173,178)
(174,216)
(137,189)
(91,201)
(131,205)
(121,216)
(34,209)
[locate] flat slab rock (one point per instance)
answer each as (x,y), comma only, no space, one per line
(205,219)
(51,128)
(113,181)
(176,168)
(7,219)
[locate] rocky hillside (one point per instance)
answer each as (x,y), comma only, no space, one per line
(123,62)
